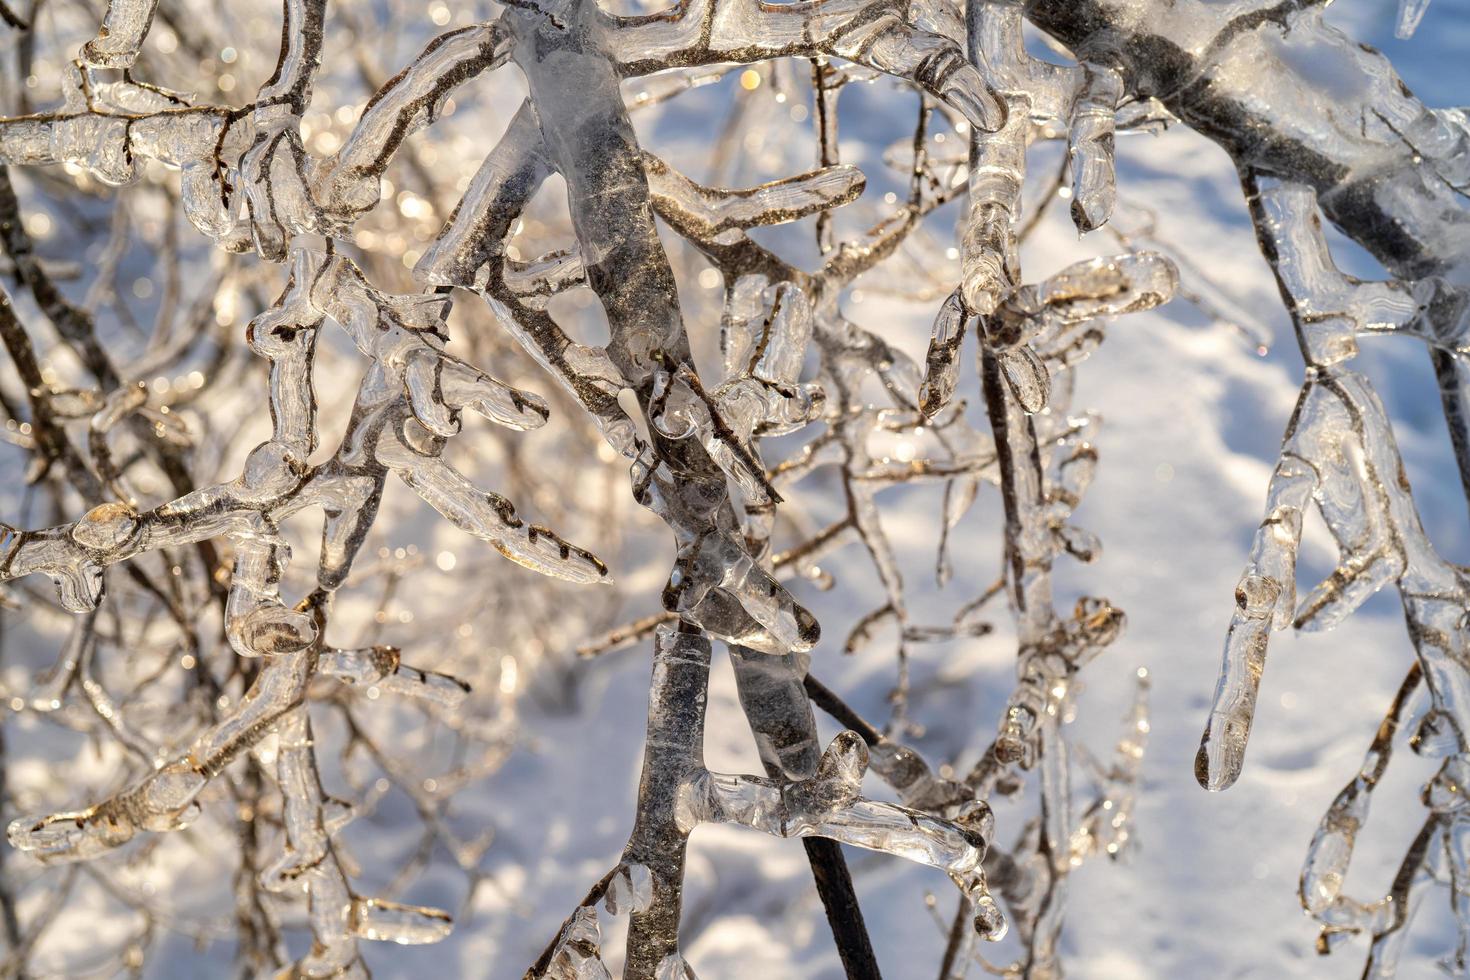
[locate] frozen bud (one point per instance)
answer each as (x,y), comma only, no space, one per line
(1436,737)
(1446,792)
(845,761)
(271,470)
(1078,542)
(838,779)
(1012,745)
(107,527)
(1101,621)
(271,630)
(1256,595)
(978,822)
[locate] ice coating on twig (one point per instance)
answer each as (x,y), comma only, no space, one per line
(997,162)
(1030,337)
(1331,309)
(1332,845)
(1334,151)
(577,953)
(265,176)
(382,666)
(349,183)
(827,805)
(875,34)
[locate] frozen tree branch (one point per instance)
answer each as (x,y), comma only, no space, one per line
(1339,451)
(1387,170)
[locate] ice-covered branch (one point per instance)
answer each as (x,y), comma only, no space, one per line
(1388,170)
(876,33)
(1339,452)
(677,794)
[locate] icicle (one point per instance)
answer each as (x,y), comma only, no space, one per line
(1410,13)
(941,370)
(121,37)
(1099,90)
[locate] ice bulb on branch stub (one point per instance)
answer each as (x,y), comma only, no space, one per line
(384,921)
